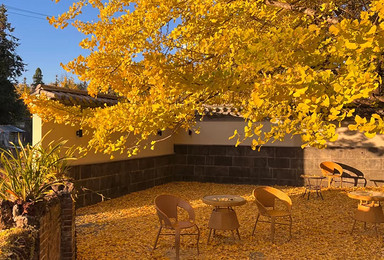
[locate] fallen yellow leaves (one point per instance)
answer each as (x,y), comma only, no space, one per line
(125,228)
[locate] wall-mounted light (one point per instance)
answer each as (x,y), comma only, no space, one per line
(79,133)
(159,133)
(189,132)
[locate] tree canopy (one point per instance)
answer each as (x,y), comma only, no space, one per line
(11,67)
(305,66)
(37,77)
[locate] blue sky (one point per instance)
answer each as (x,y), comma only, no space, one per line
(41,45)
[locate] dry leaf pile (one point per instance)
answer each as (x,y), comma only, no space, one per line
(125,228)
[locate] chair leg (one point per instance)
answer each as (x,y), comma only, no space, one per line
(209,235)
(157,237)
(254,228)
(198,239)
(177,244)
(341,182)
(238,234)
(321,195)
(273,229)
(329,182)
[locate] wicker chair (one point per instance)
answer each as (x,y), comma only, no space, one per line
(265,198)
(332,171)
(167,207)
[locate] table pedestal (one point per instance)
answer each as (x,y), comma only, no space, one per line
(368,213)
(223,219)
(313,183)
(369,208)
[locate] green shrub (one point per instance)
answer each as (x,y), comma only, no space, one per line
(28,172)
(17,243)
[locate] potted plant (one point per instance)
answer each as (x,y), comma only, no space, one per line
(27,175)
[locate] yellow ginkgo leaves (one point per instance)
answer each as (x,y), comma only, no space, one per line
(304,70)
(126,227)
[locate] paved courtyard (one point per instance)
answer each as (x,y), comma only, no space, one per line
(125,228)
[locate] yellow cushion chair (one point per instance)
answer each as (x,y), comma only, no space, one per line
(167,210)
(265,199)
(332,171)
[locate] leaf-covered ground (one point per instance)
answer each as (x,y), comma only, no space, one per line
(125,228)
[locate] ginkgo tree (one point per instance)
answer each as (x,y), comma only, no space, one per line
(303,65)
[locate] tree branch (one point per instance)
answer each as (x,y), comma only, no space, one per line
(304,10)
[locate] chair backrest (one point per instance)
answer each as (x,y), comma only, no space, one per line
(265,197)
(166,207)
(330,168)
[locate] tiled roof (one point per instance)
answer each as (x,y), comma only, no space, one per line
(75,97)
(364,107)
(10,129)
(81,97)
(221,110)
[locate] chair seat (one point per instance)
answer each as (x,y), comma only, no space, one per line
(183,224)
(278,213)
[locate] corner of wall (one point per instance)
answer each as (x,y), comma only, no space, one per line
(37,128)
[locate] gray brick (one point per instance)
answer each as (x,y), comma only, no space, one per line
(131,165)
(146,163)
(223,160)
(85,171)
(279,163)
(198,149)
(183,170)
(216,171)
(242,161)
(239,171)
(180,159)
(195,160)
(289,152)
(217,150)
(260,162)
(236,151)
(162,161)
(181,149)
(265,152)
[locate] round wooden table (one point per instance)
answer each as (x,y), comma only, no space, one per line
(223,216)
(313,183)
(369,208)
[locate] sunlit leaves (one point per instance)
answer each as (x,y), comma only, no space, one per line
(166,59)
(126,227)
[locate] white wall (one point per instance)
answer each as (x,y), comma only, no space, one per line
(218,132)
(211,133)
(58,132)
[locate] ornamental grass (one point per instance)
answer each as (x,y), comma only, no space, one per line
(125,227)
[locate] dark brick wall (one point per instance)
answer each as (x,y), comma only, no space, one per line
(49,233)
(229,164)
(224,164)
(113,179)
(68,225)
(57,230)
(276,165)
